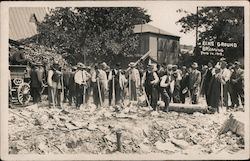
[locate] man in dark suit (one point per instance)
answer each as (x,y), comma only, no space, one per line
(237,84)
(194,83)
(72,86)
(35,83)
(184,84)
(208,77)
(66,77)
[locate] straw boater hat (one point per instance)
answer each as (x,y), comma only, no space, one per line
(131,64)
(169,66)
(38,64)
(80,65)
(195,65)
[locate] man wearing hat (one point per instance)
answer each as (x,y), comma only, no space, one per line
(72,86)
(134,81)
(237,84)
(207,78)
(99,83)
(19,57)
(184,84)
(194,83)
(81,77)
(115,85)
(214,89)
(66,76)
(225,77)
(54,85)
(35,82)
(150,81)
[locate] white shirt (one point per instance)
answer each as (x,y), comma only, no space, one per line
(102,77)
(225,74)
(81,77)
(165,81)
(135,76)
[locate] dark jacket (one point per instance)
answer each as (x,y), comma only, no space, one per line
(36,80)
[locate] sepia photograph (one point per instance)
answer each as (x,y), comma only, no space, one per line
(125,80)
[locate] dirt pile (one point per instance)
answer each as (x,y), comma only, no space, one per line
(38,53)
(34,130)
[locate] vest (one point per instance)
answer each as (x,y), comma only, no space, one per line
(149,78)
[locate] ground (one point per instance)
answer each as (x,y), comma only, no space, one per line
(40,130)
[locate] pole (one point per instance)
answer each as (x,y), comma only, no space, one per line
(221,94)
(99,91)
(146,97)
(84,93)
(113,90)
(53,96)
(62,95)
(129,86)
(197,23)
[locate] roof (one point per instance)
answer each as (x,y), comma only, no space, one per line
(147,28)
(22,21)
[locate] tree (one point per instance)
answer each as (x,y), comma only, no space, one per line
(221,24)
(95,33)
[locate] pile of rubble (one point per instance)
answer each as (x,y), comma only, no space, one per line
(38,53)
(92,130)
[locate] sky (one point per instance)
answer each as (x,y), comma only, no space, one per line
(164,16)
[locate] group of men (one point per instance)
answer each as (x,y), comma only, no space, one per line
(158,82)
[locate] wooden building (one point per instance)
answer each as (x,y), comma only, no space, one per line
(164,46)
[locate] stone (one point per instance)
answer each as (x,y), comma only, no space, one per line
(180,143)
(145,148)
(165,146)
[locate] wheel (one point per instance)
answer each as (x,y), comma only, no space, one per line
(23,93)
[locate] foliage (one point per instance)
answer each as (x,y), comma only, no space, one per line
(222,24)
(98,33)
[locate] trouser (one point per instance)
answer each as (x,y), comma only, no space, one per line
(72,94)
(194,95)
(165,97)
(57,96)
(35,94)
(87,93)
(182,97)
(66,93)
(117,93)
(237,91)
(176,96)
(79,95)
(207,96)
(225,94)
(96,94)
(133,91)
(152,94)
(215,103)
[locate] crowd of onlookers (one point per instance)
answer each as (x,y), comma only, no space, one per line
(220,84)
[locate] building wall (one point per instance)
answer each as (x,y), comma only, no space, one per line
(153,46)
(143,44)
(163,48)
(168,50)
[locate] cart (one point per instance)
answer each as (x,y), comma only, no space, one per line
(19,85)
